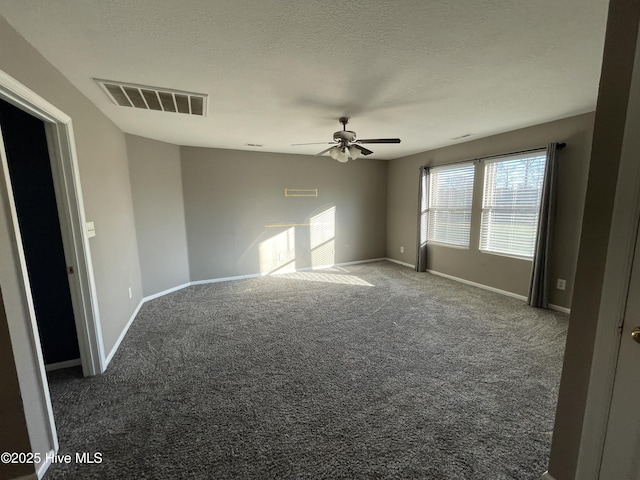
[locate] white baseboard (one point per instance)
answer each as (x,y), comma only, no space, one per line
(360,262)
(60,365)
(297,270)
(479,285)
(227,279)
(558,308)
(48,457)
(122,335)
(547,476)
(325,267)
(400,263)
(166,292)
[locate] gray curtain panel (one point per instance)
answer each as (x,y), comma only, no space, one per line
(539,289)
(421,255)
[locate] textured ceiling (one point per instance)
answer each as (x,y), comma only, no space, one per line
(282,71)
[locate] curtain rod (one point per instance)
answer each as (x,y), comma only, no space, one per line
(559,146)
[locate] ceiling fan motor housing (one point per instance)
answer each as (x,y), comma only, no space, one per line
(344,136)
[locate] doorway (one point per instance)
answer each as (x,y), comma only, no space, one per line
(14,275)
(60,142)
(31,179)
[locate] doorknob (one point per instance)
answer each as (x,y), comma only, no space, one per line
(636,334)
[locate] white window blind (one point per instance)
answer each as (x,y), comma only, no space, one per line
(510,204)
(450,194)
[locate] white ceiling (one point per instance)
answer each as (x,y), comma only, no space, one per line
(282,71)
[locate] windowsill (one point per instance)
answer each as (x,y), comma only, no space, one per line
(449,245)
(508,255)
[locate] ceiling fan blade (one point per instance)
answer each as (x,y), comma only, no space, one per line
(314,143)
(364,151)
(323,151)
(378,140)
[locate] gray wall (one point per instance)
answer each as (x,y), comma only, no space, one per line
(620,45)
(233,198)
(505,273)
(156,185)
(104,175)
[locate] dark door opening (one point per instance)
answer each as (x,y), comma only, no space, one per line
(34,195)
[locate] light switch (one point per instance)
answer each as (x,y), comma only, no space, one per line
(91,230)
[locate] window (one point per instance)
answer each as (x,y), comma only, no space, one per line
(510,204)
(450,194)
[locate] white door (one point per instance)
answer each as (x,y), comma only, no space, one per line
(621,457)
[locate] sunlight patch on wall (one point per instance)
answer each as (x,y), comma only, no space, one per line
(328,278)
(278,253)
(324,255)
(322,232)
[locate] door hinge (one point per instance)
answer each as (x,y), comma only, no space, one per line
(70,270)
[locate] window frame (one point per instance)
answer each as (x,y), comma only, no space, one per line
(485,209)
(430,210)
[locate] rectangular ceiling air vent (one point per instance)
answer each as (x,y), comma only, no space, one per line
(154,98)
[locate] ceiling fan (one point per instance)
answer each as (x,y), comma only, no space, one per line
(345,146)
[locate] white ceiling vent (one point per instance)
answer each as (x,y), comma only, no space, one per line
(154,98)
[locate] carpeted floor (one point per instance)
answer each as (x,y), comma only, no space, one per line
(362,372)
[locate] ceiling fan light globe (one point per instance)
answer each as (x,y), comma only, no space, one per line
(354,152)
(344,155)
(340,154)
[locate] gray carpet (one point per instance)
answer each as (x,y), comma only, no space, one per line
(362,372)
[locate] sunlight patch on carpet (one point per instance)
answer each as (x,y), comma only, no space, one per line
(327,278)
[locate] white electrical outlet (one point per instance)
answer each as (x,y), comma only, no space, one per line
(130,293)
(401,249)
(562,284)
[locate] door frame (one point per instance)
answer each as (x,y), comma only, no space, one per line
(625,222)
(69,199)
